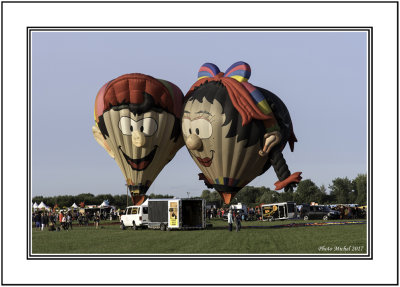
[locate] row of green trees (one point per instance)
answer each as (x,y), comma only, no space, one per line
(342,190)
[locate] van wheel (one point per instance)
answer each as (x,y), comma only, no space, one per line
(305,217)
(134,227)
(325,217)
(122,226)
(163,227)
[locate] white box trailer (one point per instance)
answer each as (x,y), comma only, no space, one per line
(169,214)
(278,211)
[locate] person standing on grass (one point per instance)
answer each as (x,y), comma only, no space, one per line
(96,220)
(80,219)
(64,223)
(46,220)
(69,220)
(60,217)
(52,219)
(230,220)
(37,221)
(42,221)
(238,221)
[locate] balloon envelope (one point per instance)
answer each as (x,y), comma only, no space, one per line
(137,123)
(224,128)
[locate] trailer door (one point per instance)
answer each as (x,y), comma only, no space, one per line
(292,210)
(204,213)
(282,211)
(174,219)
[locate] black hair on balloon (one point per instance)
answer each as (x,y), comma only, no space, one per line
(252,132)
(147,105)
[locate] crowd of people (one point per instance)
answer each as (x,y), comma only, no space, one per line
(350,212)
(57,221)
(346,212)
(252,213)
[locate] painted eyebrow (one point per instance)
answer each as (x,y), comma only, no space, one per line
(186,112)
(204,112)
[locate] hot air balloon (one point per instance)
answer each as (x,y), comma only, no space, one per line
(235,131)
(138,123)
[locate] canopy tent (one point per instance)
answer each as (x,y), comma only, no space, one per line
(42,205)
(35,206)
(74,206)
(105,203)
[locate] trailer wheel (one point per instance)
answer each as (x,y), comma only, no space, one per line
(305,217)
(163,227)
(122,225)
(271,219)
(325,217)
(134,227)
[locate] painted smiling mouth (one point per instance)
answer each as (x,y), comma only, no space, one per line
(206,161)
(140,163)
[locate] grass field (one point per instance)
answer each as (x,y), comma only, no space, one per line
(254,238)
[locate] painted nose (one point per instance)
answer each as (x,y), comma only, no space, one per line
(138,139)
(193,142)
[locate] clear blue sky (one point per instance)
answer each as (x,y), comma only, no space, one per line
(321,77)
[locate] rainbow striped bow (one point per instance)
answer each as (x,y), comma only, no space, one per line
(240,71)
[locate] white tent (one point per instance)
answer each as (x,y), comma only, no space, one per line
(35,206)
(105,203)
(42,205)
(74,206)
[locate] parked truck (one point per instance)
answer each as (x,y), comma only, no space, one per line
(279,211)
(167,214)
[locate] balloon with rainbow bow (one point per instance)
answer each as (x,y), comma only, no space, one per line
(235,131)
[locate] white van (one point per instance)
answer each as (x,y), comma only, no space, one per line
(135,216)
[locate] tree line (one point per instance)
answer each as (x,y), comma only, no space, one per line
(342,190)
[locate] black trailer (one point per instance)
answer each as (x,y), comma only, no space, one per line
(169,214)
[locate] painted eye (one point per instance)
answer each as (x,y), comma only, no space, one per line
(202,128)
(186,127)
(126,125)
(148,126)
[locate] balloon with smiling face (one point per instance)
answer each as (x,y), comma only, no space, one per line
(235,131)
(138,124)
